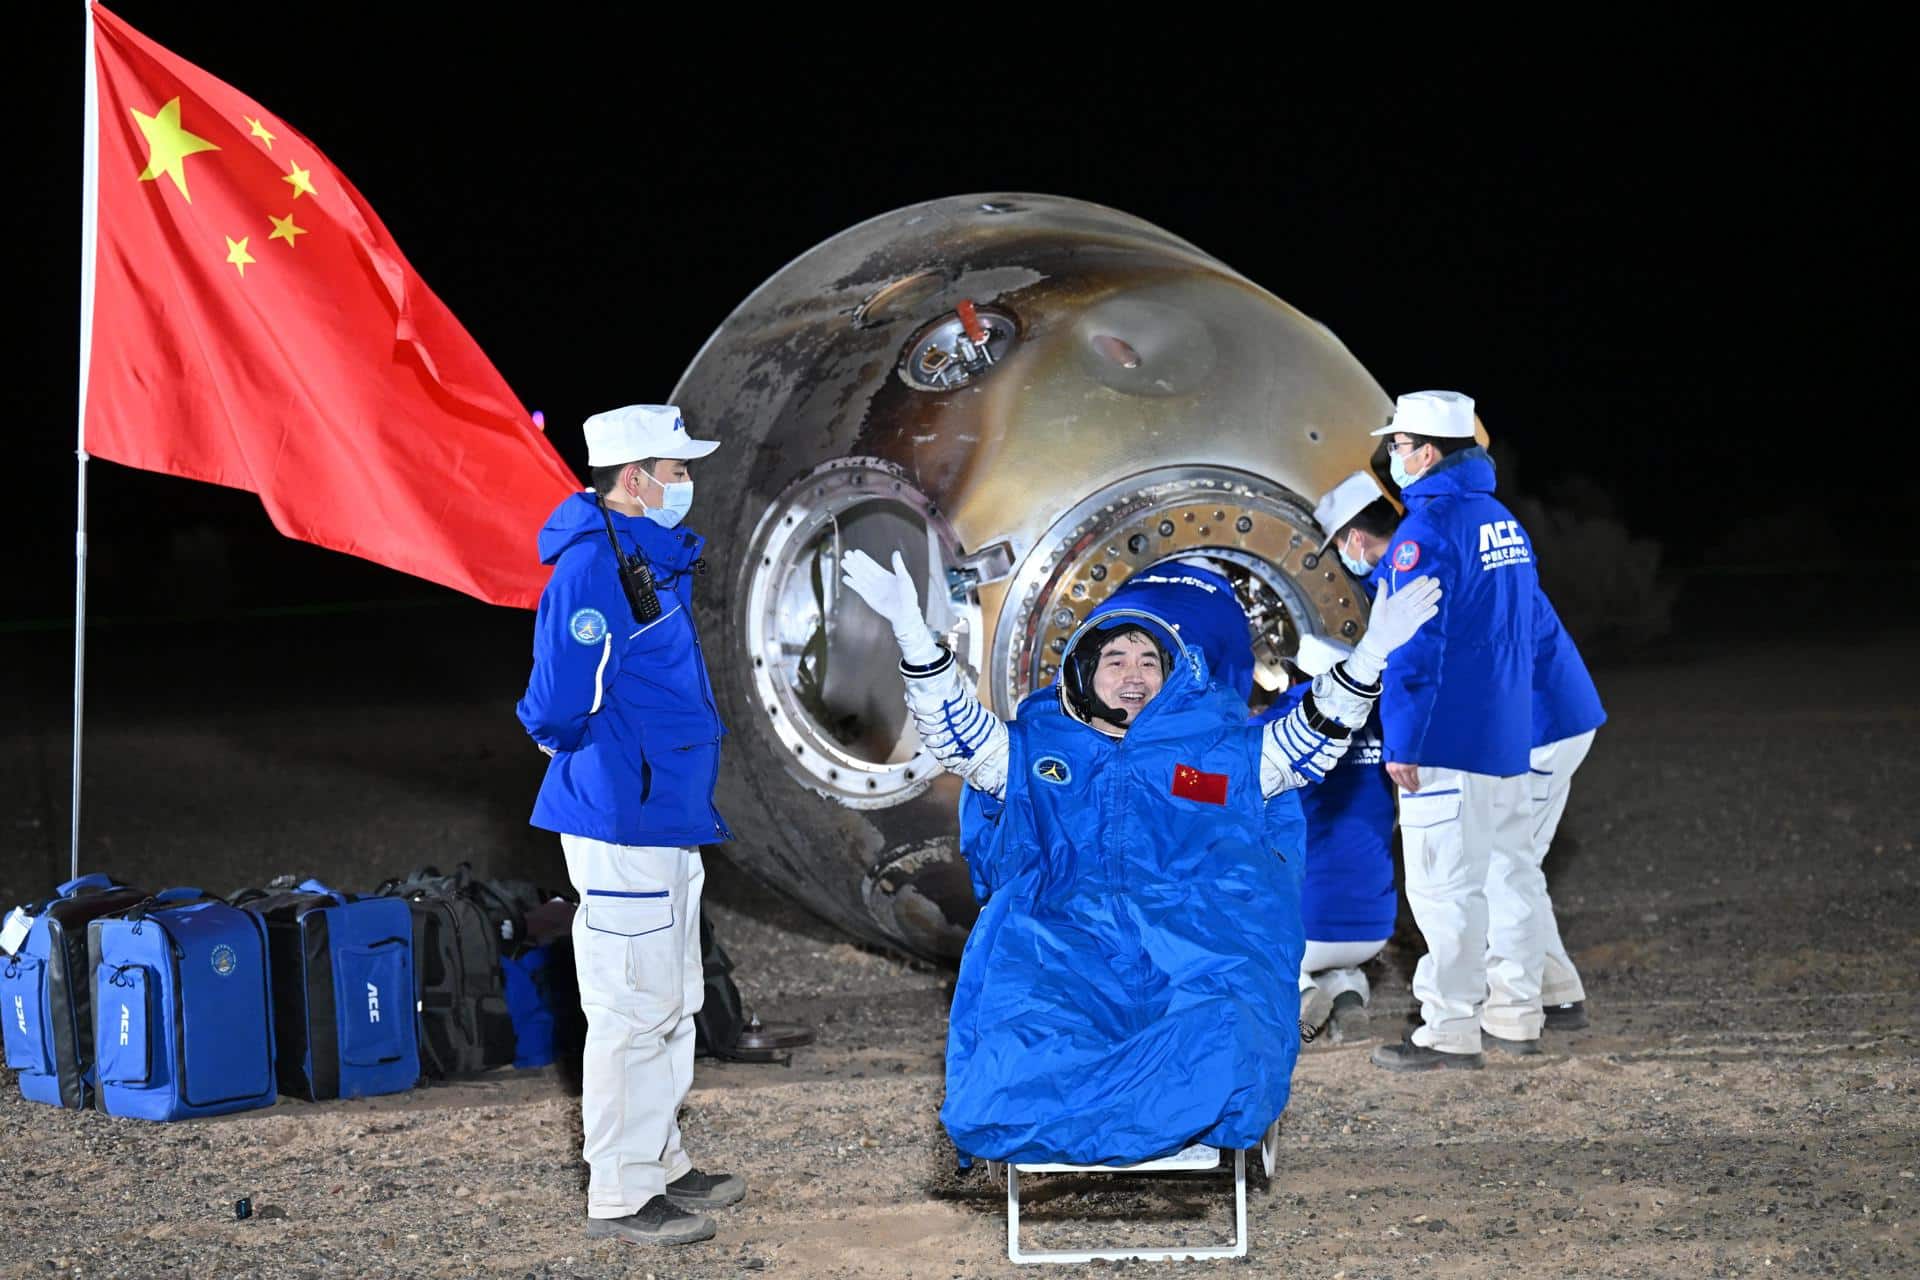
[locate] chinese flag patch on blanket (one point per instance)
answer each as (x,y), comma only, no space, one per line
(1190,783)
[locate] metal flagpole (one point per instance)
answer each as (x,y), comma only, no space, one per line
(89,233)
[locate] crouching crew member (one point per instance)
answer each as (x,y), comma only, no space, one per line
(1347,903)
(1457,710)
(619,698)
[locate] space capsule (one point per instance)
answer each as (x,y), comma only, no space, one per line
(1036,397)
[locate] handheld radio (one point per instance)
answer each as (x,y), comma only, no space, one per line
(636,577)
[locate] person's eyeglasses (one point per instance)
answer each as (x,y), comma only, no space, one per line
(1401,446)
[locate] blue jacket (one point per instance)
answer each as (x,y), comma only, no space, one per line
(1348,892)
(1131,985)
(1459,695)
(1565,703)
(627,709)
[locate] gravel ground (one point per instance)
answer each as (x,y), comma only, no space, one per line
(1735,877)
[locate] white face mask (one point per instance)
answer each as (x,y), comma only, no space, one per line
(675,501)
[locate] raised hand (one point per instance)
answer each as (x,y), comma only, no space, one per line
(1396,616)
(893,596)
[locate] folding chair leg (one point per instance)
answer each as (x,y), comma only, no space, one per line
(1237,1250)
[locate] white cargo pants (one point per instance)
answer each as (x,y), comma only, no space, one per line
(1551,778)
(1458,832)
(636,941)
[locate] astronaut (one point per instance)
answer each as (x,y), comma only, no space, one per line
(1347,901)
(1119,996)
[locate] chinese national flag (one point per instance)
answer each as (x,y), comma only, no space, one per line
(254,325)
(1190,783)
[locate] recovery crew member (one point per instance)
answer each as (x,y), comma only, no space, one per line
(1457,711)
(619,698)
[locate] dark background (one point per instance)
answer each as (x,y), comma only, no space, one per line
(1671,270)
(1669,267)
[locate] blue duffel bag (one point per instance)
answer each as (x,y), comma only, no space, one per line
(183,1008)
(46,991)
(343,993)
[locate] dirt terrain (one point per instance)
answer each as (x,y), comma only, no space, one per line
(1736,878)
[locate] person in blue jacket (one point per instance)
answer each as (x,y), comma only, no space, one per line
(1347,900)
(1566,715)
(1566,712)
(1358,521)
(1130,986)
(1457,711)
(619,699)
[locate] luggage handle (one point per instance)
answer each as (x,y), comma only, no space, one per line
(92,880)
(166,897)
(311,885)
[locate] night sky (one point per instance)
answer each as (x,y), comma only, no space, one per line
(1672,269)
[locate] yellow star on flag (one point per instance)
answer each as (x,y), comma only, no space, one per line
(300,180)
(259,131)
(283,229)
(237,253)
(168,145)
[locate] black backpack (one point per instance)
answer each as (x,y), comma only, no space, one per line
(464,1023)
(722,1017)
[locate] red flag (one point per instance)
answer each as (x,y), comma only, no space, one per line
(1190,783)
(254,325)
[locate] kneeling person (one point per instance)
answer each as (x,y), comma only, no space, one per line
(1347,902)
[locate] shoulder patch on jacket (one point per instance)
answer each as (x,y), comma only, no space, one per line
(1052,769)
(1406,556)
(588,626)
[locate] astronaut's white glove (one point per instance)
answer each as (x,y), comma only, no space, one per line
(893,597)
(1396,616)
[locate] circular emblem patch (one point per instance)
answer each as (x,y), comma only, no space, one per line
(1052,769)
(224,961)
(1406,555)
(588,626)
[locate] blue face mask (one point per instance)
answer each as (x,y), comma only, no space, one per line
(1358,568)
(1397,465)
(676,500)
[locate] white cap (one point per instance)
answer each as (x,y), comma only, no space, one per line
(1444,414)
(620,436)
(1319,655)
(1343,502)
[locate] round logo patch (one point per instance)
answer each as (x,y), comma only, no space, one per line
(224,961)
(588,626)
(1052,769)
(1406,555)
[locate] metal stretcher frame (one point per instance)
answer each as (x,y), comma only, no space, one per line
(1192,1159)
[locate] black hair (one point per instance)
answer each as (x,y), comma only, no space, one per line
(604,478)
(1378,519)
(1447,445)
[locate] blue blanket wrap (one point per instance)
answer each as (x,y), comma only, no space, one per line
(1131,985)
